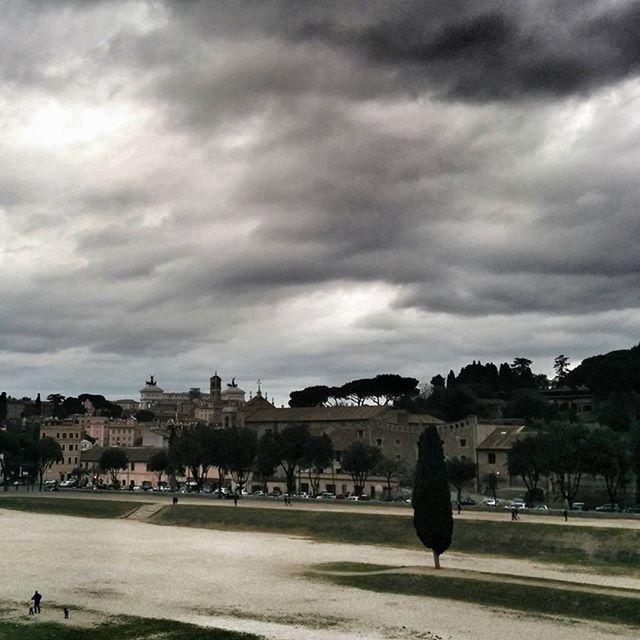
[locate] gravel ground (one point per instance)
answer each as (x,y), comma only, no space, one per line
(251,582)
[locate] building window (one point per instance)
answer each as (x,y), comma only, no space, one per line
(75,461)
(398,456)
(133,466)
(58,436)
(361,433)
(397,442)
(491,458)
(463,442)
(379,441)
(62,446)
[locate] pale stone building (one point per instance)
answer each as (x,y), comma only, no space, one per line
(68,434)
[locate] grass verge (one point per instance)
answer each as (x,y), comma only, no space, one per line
(530,599)
(121,628)
(84,507)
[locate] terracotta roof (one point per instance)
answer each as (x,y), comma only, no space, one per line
(503,438)
(134,454)
(315,414)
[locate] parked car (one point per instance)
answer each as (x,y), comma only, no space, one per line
(539,506)
(490,502)
(633,509)
(466,501)
(579,506)
(516,504)
(50,485)
(259,493)
(68,484)
(608,508)
(326,495)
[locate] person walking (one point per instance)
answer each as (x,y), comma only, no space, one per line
(66,613)
(235,499)
(514,514)
(459,507)
(36,602)
(565,513)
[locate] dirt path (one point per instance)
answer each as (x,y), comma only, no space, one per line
(253,582)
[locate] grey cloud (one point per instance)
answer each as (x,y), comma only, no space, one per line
(502,52)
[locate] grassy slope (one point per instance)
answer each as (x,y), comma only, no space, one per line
(88,507)
(520,597)
(558,543)
(119,629)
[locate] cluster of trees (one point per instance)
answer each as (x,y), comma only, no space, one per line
(65,406)
(614,379)
(383,389)
(490,391)
(567,452)
(28,453)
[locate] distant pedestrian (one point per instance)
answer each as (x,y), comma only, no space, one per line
(36,602)
(66,613)
(30,607)
(459,507)
(514,514)
(235,499)
(175,500)
(565,513)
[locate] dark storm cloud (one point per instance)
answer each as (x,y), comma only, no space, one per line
(512,50)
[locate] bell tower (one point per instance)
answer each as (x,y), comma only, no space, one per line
(215,388)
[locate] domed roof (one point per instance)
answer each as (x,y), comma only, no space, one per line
(151,388)
(233,391)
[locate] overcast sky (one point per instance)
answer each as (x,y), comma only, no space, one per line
(310,192)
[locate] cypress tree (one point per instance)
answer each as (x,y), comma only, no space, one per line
(432,515)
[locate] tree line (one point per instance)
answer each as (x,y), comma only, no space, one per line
(238,454)
(382,390)
(566,452)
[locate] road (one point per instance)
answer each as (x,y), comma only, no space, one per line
(576,519)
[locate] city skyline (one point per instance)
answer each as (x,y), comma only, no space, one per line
(310,193)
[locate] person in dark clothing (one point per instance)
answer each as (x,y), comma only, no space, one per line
(459,507)
(565,513)
(66,613)
(235,499)
(175,500)
(36,602)
(514,513)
